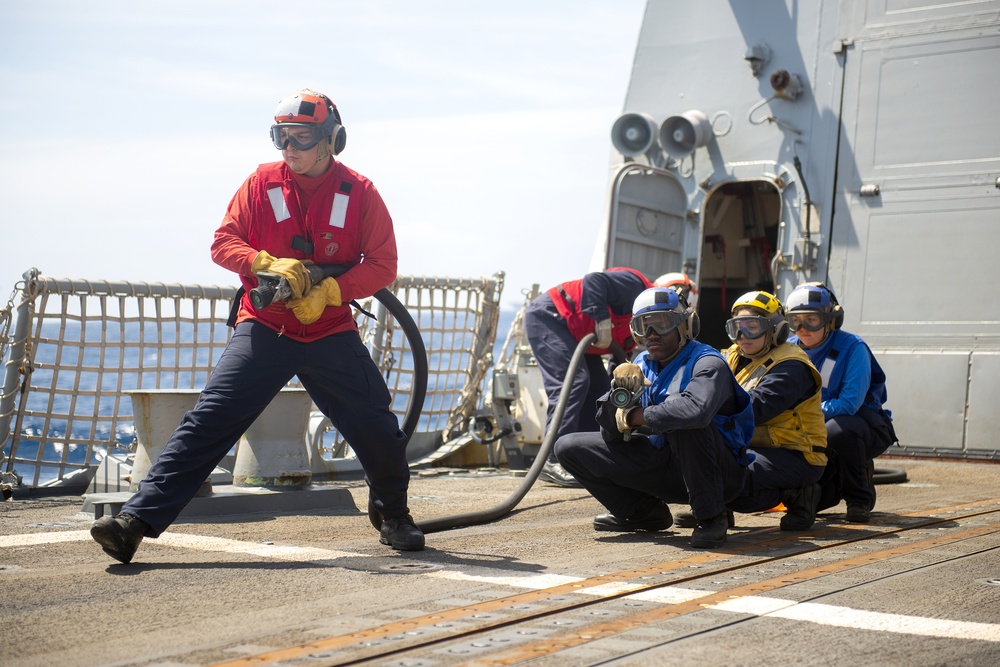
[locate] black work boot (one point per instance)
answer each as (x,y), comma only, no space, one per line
(553,473)
(870,472)
(710,533)
(401,533)
(801,505)
(374,516)
(119,536)
(861,511)
(858,513)
(689,520)
(651,516)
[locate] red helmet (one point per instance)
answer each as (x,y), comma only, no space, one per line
(312,111)
(680,282)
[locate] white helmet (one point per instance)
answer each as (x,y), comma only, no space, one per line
(662,309)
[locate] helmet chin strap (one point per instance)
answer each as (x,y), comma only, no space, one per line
(329,161)
(326,149)
(768,344)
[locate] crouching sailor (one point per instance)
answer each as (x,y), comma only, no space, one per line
(682,441)
(789,442)
(858,428)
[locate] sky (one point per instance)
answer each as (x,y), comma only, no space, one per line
(485,127)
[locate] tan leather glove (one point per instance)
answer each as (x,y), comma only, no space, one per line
(629,376)
(292,270)
(261,262)
(621,419)
(603,331)
(309,308)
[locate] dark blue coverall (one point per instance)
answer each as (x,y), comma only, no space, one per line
(695,467)
(344,383)
(776,468)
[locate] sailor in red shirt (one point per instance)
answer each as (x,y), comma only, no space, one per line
(306,208)
(556,322)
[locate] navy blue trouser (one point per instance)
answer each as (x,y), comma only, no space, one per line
(344,383)
(553,347)
(855,440)
(773,470)
(695,468)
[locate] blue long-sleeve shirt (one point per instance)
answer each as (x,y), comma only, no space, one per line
(854,384)
(855,380)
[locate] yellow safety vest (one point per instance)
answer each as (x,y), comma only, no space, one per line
(802,428)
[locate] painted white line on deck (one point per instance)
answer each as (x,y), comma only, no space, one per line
(281,552)
(845,617)
(670,595)
(35,539)
(200,542)
(535,582)
(808,612)
(532,582)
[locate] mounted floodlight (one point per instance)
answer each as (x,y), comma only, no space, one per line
(633,134)
(680,135)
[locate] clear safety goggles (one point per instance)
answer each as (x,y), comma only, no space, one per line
(301,137)
(748,326)
(807,321)
(660,321)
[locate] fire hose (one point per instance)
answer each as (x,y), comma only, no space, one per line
(504,508)
(271,287)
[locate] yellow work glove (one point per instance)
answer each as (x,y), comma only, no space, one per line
(292,270)
(603,331)
(621,419)
(629,376)
(309,308)
(261,262)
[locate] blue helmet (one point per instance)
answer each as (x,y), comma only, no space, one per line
(815,298)
(663,310)
(656,298)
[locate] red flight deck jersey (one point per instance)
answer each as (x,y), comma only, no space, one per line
(568,300)
(340,218)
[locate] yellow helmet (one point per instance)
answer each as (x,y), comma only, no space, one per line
(761,300)
(772,310)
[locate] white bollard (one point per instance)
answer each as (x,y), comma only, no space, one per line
(157,413)
(275,452)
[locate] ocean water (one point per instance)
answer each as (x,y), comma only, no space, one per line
(67,438)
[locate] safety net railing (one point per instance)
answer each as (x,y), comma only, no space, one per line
(72,350)
(458,321)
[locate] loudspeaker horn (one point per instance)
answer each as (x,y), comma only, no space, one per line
(680,135)
(633,134)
